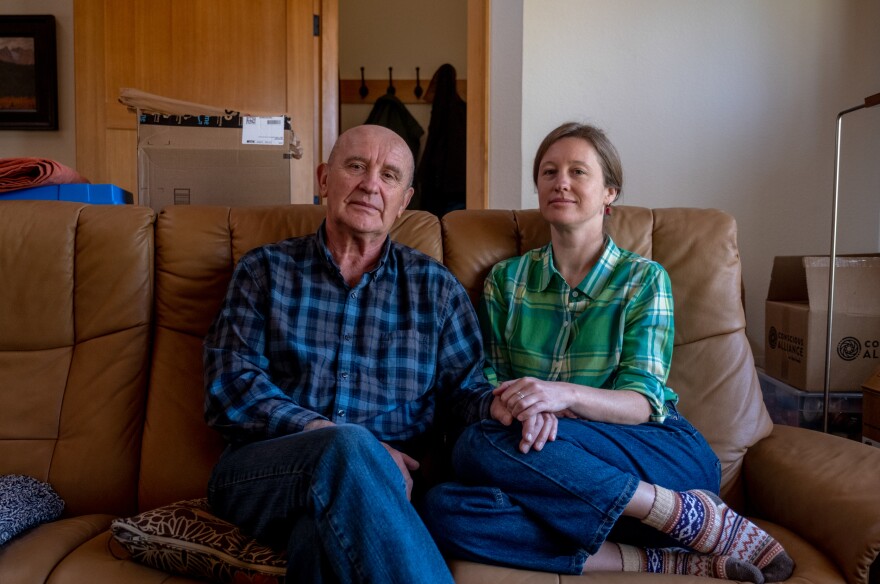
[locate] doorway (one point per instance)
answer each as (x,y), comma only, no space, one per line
(401,44)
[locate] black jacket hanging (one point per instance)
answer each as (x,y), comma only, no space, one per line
(390,112)
(441,177)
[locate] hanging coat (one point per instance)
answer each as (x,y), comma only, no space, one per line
(390,112)
(442,173)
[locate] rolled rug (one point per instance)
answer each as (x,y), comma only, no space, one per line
(23,173)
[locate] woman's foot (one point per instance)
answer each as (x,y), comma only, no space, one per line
(677,561)
(702,522)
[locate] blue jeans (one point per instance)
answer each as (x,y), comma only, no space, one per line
(550,510)
(335,500)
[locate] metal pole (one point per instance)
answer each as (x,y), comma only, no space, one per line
(832,265)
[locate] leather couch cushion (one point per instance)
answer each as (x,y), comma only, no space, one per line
(75,316)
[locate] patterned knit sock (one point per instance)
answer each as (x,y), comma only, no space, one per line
(702,522)
(676,561)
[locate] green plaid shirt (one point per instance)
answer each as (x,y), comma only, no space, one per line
(614,330)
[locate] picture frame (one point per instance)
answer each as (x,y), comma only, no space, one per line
(28,65)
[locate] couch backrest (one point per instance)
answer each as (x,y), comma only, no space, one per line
(713,368)
(196,249)
(76,295)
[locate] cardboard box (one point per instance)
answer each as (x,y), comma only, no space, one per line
(796,321)
(232,160)
(871,400)
(872,383)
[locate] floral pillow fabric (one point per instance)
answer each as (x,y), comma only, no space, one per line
(186,538)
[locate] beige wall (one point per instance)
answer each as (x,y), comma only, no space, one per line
(727,104)
(403,34)
(59,145)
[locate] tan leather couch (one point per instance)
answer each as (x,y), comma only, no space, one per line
(102,312)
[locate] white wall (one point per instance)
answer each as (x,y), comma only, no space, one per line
(725,104)
(57,145)
(506,106)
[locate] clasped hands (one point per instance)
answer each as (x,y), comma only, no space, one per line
(537,404)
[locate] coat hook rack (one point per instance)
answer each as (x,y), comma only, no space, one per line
(363,91)
(418,90)
(391,89)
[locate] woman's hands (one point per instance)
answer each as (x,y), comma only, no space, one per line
(527,396)
(537,404)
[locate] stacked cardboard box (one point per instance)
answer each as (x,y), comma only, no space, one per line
(232,160)
(796,314)
(871,409)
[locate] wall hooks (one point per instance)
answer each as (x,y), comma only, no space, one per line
(367,90)
(391,89)
(418,90)
(363,91)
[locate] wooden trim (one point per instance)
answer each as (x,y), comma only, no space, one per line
(329,77)
(404,90)
(478,103)
(301,96)
(88,42)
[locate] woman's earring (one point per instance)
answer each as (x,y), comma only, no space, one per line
(608,209)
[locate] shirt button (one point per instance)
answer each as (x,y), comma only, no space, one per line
(354,294)
(565,324)
(341,413)
(347,337)
(574,293)
(345,375)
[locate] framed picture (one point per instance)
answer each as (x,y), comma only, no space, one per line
(29,86)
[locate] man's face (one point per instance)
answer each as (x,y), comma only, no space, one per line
(366,181)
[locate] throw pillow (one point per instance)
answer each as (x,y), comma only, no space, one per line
(25,502)
(186,538)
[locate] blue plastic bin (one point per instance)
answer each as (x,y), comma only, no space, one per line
(79,193)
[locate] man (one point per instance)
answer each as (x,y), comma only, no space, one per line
(331,359)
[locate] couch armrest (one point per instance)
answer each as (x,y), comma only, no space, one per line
(822,487)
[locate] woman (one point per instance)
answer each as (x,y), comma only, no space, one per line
(579,334)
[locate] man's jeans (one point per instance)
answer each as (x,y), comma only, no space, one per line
(550,510)
(335,500)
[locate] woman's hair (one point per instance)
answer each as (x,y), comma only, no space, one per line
(609,159)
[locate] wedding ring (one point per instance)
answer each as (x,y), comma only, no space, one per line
(520,394)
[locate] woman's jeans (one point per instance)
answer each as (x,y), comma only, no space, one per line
(550,510)
(335,500)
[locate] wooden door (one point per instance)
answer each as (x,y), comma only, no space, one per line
(254,56)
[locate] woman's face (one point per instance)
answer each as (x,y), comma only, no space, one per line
(571,187)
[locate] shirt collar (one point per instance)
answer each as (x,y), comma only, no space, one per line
(376,273)
(591,285)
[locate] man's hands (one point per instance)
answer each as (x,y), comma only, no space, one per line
(405,463)
(537,404)
(317,423)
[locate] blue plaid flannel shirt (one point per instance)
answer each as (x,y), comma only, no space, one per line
(293,343)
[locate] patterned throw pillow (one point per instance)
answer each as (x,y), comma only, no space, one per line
(186,538)
(25,502)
